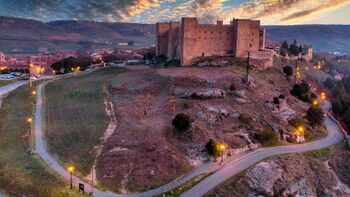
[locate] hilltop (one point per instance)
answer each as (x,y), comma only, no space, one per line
(26,36)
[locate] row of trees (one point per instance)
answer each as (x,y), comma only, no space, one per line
(292,49)
(340,98)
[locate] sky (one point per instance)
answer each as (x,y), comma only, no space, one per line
(270,12)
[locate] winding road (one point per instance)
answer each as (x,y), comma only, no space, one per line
(233,165)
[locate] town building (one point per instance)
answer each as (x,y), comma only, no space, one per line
(188,40)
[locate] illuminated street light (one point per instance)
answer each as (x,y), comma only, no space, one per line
(33,92)
(222,149)
(70,170)
(29,120)
(315,103)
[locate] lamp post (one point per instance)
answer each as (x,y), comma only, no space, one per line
(323,96)
(222,148)
(29,120)
(70,170)
(315,103)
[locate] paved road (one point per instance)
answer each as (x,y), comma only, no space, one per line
(10,87)
(234,167)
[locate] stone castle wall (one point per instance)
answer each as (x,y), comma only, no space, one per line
(189,39)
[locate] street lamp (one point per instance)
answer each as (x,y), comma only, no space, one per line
(222,149)
(323,96)
(70,170)
(315,103)
(33,92)
(29,120)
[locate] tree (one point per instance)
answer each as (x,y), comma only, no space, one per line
(285,45)
(182,122)
(302,91)
(288,70)
(294,48)
(315,116)
(300,49)
(212,148)
(329,83)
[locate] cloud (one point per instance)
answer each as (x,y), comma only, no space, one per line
(151,11)
(282,11)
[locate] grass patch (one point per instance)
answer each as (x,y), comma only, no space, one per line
(75,117)
(323,153)
(182,188)
(21,173)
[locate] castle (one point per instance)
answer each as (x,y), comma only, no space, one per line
(188,40)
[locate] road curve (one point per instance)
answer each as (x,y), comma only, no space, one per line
(234,167)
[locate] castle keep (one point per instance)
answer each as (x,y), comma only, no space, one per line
(189,39)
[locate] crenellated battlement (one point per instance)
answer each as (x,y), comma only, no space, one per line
(189,39)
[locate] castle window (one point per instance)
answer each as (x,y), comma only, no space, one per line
(211,31)
(250,45)
(205,32)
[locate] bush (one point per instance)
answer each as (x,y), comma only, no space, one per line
(276,100)
(267,137)
(302,91)
(288,71)
(296,122)
(315,116)
(182,122)
(233,87)
(245,119)
(212,148)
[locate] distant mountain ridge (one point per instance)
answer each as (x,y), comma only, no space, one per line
(27,36)
(335,38)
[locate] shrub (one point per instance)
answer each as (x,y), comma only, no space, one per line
(288,71)
(276,100)
(182,122)
(302,91)
(233,87)
(267,137)
(296,122)
(245,119)
(315,116)
(212,148)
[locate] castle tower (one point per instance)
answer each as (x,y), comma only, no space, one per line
(162,34)
(173,39)
(187,39)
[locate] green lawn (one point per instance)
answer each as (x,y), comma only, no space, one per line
(75,117)
(22,173)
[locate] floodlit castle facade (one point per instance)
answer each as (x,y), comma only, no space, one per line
(187,40)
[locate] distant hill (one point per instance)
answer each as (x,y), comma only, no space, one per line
(334,38)
(27,36)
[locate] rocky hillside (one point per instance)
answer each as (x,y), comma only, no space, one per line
(320,173)
(26,36)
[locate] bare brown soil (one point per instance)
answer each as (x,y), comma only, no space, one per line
(145,151)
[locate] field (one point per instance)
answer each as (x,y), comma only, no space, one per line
(75,117)
(22,173)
